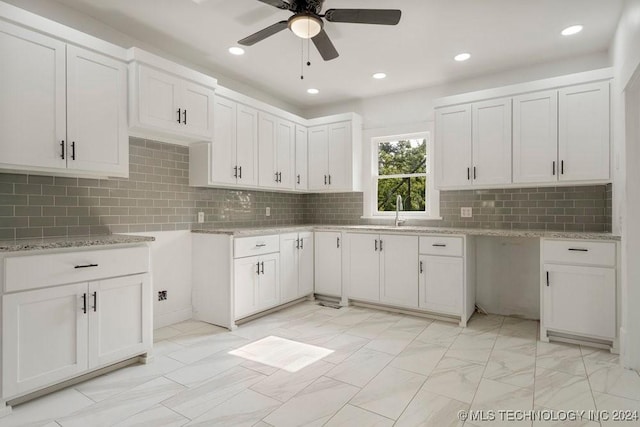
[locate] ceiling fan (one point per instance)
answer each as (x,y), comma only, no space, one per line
(307,22)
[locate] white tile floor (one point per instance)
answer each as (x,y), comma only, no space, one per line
(359,367)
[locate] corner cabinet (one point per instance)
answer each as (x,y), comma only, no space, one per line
(53,331)
(63,109)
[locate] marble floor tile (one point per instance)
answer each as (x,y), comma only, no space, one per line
(419,357)
(165,333)
(260,328)
(483,323)
(432,410)
(201,371)
(615,380)
(360,367)
(156,416)
(515,327)
(244,409)
(550,418)
(194,402)
(628,408)
(389,393)
(511,368)
(412,324)
(314,405)
(391,341)
(351,318)
(283,385)
(562,391)
(164,347)
(520,345)
(474,348)
(193,325)
(438,332)
(113,383)
(455,378)
(44,410)
(496,396)
(560,357)
(207,347)
(372,327)
(124,405)
(343,346)
(350,416)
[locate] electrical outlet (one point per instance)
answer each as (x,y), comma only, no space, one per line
(162,295)
(200,217)
(268,213)
(466,212)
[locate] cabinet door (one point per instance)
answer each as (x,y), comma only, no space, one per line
(120,319)
(535,137)
(289,250)
(441,283)
(305,264)
(364,266)
(453,146)
(268,292)
(158,100)
(267,136)
(247,145)
(285,148)
(97,130)
(580,300)
(584,132)
(196,102)
(319,152)
(491,125)
(399,270)
(33,102)
(44,335)
(340,156)
(246,273)
(223,146)
(301,158)
(328,263)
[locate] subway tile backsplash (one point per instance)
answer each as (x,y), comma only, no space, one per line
(157,197)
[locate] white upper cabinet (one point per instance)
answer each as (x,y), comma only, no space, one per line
(167,105)
(340,162)
(63,108)
(276,145)
(223,147)
(247,145)
(96,113)
(535,137)
(453,146)
(319,152)
(491,152)
(285,151)
(584,132)
(302,162)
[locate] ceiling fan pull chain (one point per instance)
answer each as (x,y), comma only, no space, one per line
(301,59)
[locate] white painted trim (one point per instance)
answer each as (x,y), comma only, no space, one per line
(168,319)
(528,87)
(527,185)
(259,105)
(66,34)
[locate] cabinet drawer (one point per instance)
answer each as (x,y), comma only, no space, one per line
(37,271)
(251,246)
(437,245)
(580,252)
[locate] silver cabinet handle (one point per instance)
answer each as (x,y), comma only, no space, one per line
(421,269)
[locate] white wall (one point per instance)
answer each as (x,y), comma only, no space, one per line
(625,52)
(171,271)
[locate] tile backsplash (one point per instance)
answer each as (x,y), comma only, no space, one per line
(157,197)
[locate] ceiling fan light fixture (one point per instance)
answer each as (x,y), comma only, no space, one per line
(305,26)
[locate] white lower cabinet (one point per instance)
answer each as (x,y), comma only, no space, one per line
(296,265)
(578,289)
(383,268)
(50,335)
(441,284)
(256,284)
(328,263)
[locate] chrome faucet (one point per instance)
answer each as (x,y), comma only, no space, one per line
(399,207)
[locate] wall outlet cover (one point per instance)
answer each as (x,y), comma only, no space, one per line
(268,213)
(200,217)
(466,212)
(162,295)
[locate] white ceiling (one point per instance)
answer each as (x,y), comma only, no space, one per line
(500,35)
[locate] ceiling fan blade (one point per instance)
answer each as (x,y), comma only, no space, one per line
(280,4)
(325,47)
(364,16)
(263,34)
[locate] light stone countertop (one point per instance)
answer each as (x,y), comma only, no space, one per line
(261,231)
(20,245)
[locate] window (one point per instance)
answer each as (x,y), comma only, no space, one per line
(403,168)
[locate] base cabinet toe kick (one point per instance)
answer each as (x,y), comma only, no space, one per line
(70,312)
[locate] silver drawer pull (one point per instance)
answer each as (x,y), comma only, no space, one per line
(439,245)
(86,266)
(578,250)
(260,245)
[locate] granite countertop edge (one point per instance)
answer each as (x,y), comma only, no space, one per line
(23,245)
(261,231)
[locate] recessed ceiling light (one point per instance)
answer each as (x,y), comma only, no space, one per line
(313,91)
(379,76)
(462,57)
(569,31)
(236,51)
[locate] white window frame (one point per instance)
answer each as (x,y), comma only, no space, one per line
(432,197)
